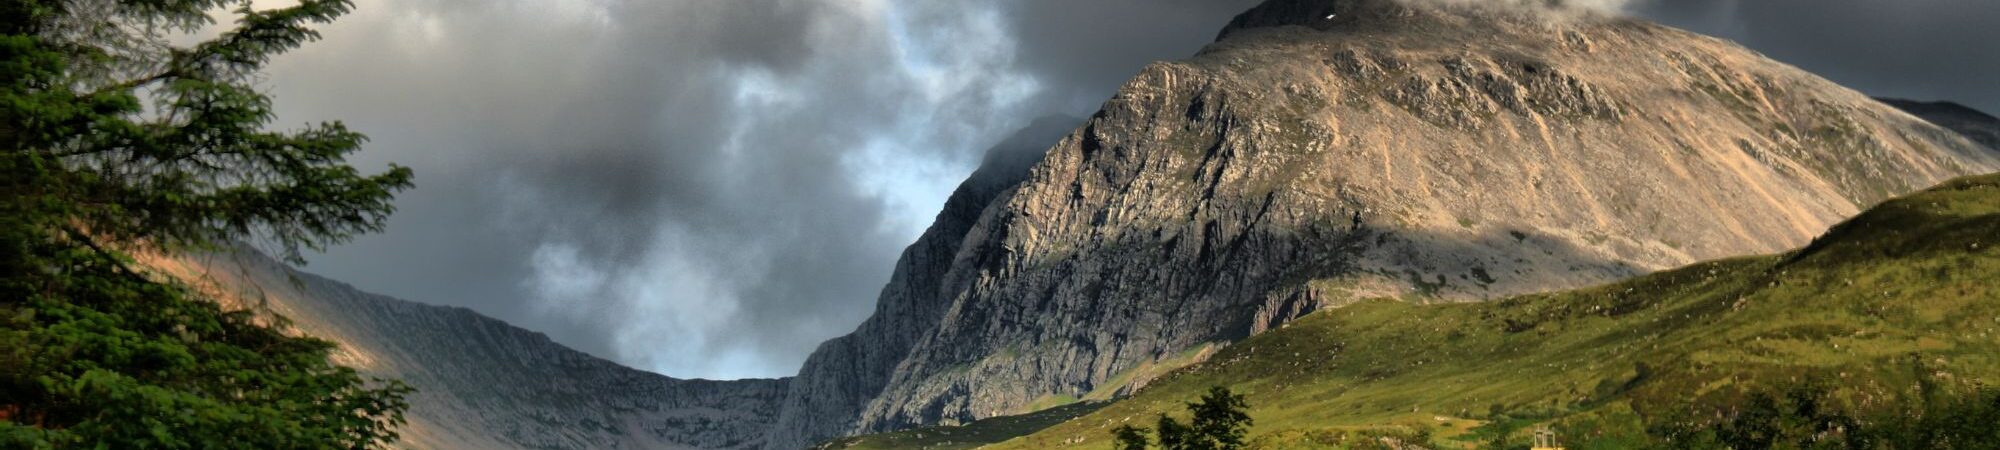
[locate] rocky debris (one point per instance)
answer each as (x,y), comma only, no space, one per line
(1324,151)
(484,384)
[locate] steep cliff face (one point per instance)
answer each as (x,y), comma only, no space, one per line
(843,374)
(1324,151)
(484,384)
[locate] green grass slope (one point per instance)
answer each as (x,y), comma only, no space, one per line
(1902,298)
(971,435)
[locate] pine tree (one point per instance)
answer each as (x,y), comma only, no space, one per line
(1127,437)
(115,138)
(1218,423)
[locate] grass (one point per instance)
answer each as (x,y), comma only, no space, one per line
(1147,371)
(971,435)
(1904,291)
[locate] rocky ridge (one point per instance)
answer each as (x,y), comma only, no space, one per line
(484,384)
(1324,151)
(1974,124)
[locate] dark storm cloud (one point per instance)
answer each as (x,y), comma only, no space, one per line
(697,187)
(1920,49)
(702,188)
(1083,50)
(710,188)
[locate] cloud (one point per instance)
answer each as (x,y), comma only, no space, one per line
(704,189)
(667,184)
(1921,49)
(711,188)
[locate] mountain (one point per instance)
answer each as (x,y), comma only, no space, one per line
(1325,151)
(484,384)
(1895,308)
(1974,124)
(1319,153)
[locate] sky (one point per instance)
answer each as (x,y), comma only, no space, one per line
(710,188)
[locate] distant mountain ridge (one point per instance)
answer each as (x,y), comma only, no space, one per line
(1974,124)
(484,384)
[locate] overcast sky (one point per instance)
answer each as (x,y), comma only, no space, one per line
(709,188)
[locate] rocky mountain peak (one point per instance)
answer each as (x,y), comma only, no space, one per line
(1326,151)
(1319,153)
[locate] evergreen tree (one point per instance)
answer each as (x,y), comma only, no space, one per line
(1127,437)
(115,138)
(1218,423)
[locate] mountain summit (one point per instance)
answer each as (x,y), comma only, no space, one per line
(1322,152)
(1319,153)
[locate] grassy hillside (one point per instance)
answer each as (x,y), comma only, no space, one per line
(970,435)
(1902,299)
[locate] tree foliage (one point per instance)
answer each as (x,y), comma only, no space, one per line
(1806,416)
(1218,422)
(1127,437)
(117,138)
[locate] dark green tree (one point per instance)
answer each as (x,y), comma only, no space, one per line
(1947,421)
(1797,416)
(1174,435)
(114,139)
(1218,422)
(1127,437)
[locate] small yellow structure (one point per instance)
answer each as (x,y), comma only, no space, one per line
(1545,439)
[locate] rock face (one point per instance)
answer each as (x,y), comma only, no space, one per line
(844,373)
(484,384)
(1975,125)
(1324,151)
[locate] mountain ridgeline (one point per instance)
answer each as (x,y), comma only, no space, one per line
(484,384)
(1325,151)
(1319,153)
(1974,124)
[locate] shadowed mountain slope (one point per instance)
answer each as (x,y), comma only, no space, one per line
(1974,124)
(484,384)
(1324,151)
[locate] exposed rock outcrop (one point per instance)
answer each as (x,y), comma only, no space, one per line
(843,374)
(1328,150)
